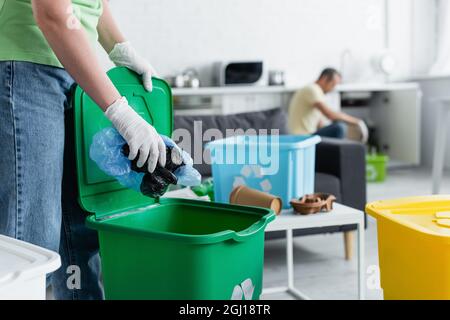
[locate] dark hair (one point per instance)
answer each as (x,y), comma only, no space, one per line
(329,73)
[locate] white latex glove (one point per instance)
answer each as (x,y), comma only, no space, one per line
(138,133)
(123,54)
(364,131)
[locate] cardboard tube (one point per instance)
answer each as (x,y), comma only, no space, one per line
(245,196)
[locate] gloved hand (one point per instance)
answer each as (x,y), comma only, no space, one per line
(123,54)
(138,133)
(364,131)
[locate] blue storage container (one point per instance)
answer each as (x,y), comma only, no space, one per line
(281,165)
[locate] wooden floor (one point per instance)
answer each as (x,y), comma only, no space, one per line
(321,271)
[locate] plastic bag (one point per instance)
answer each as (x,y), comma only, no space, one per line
(188,176)
(108,151)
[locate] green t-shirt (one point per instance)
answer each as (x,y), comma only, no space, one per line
(22,40)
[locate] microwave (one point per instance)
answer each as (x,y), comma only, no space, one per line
(239,73)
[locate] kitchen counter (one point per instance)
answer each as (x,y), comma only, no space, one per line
(239,90)
(211,91)
(376,87)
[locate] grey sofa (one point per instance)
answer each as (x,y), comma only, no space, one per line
(340,164)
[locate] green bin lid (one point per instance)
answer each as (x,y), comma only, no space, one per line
(98,192)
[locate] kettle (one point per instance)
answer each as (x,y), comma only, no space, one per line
(276,78)
(191,78)
(188,79)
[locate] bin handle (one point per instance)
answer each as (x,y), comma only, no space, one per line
(253,229)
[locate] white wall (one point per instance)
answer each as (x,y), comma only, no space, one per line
(411,36)
(399,22)
(299,36)
(432,88)
(424,35)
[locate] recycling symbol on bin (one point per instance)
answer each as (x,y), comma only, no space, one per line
(245,289)
(371,172)
(252,171)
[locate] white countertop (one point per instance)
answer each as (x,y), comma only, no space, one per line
(392,86)
(231,90)
(235,90)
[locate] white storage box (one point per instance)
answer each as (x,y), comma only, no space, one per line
(23,269)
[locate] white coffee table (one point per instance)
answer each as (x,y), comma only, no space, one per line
(340,216)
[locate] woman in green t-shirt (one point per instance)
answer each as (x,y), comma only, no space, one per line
(44,45)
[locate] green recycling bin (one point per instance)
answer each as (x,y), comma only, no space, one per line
(376,167)
(164,248)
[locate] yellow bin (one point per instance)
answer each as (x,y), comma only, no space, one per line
(414,246)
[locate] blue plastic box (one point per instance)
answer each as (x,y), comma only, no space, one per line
(281,165)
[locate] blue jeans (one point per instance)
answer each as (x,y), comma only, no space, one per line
(335,130)
(38,194)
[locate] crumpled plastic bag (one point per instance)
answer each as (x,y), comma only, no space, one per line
(187,175)
(107,152)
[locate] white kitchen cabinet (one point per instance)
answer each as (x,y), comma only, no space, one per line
(395,111)
(230,100)
(250,102)
(397,116)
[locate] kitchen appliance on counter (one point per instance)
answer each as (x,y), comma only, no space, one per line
(228,73)
(276,78)
(188,79)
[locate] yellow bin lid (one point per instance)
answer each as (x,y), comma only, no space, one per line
(425,214)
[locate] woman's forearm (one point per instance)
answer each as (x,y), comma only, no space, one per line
(71,46)
(108,31)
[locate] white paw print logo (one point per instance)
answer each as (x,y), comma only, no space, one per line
(245,289)
(252,171)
